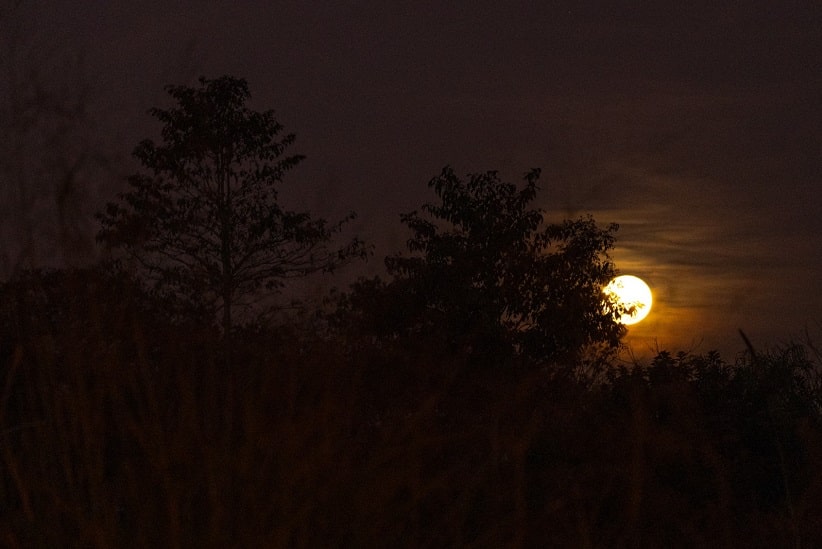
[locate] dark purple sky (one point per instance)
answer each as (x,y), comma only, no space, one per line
(696,128)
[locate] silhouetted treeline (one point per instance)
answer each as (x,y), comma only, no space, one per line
(121,426)
(475,396)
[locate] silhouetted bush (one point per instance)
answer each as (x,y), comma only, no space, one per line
(121,426)
(487,276)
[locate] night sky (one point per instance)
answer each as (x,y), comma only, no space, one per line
(696,128)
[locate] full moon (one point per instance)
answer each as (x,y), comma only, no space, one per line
(632,293)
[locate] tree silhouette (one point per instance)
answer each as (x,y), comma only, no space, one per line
(202,221)
(489,275)
(50,155)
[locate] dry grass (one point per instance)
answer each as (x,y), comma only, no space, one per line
(148,440)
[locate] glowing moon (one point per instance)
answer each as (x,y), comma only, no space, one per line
(633,294)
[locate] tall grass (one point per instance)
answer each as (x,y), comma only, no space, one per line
(118,430)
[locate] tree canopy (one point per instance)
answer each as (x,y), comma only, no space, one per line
(202,220)
(438,417)
(486,272)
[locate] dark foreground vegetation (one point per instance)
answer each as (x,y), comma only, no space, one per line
(121,428)
(474,397)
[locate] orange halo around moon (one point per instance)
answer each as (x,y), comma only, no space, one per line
(633,294)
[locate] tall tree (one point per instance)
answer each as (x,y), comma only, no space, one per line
(487,273)
(51,156)
(203,219)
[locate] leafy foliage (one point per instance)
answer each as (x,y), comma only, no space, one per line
(486,273)
(118,432)
(119,426)
(202,219)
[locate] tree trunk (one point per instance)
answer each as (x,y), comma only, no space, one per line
(226,315)
(227,320)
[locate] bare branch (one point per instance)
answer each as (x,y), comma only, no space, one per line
(204,215)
